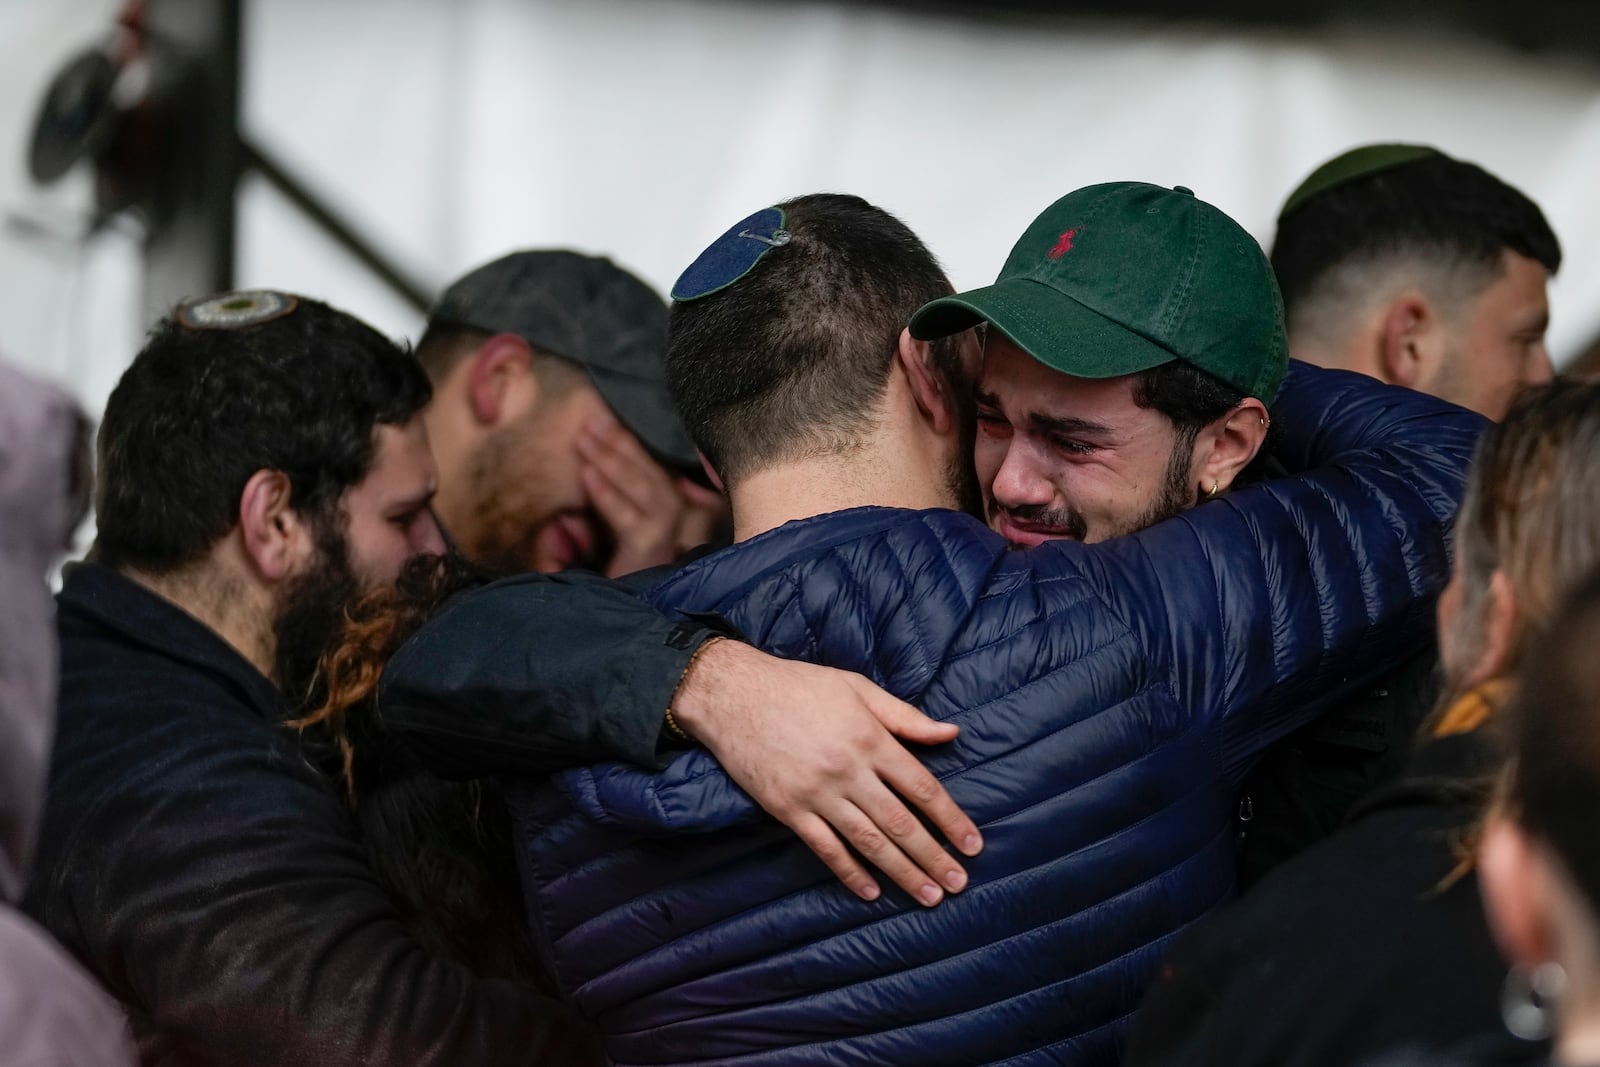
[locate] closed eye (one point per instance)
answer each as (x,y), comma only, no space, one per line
(992,423)
(1073,446)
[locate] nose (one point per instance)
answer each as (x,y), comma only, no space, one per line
(1540,369)
(1020,480)
(425,536)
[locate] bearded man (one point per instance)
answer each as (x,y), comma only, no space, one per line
(557,443)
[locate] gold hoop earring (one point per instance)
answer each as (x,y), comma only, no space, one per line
(1212,491)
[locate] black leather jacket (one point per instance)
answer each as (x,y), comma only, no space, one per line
(211,878)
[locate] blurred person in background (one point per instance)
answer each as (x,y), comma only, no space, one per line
(557,443)
(1421,270)
(51,1012)
(1107,691)
(263,461)
(1374,938)
(1539,857)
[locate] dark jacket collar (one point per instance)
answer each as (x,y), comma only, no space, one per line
(135,616)
(1458,769)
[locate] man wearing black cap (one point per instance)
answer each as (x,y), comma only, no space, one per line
(1421,270)
(557,443)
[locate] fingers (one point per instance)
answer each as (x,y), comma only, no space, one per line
(632,494)
(609,499)
(866,836)
(918,785)
(627,467)
(885,837)
(914,781)
(810,745)
(905,721)
(820,838)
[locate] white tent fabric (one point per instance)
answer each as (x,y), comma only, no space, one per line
(641,128)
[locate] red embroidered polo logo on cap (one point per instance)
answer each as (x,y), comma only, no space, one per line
(1064,245)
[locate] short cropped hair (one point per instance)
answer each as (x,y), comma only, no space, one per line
(791,359)
(201,410)
(1443,221)
(443,345)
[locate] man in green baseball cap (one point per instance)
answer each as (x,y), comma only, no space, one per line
(1420,270)
(1135,335)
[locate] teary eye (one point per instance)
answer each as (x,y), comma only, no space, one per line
(1073,446)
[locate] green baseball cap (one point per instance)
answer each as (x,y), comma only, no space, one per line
(1115,279)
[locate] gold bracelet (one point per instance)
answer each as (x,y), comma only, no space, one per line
(671,720)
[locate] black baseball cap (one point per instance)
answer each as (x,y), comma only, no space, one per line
(588,310)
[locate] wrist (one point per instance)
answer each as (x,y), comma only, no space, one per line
(691,702)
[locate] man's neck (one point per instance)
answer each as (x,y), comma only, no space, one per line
(820,485)
(220,604)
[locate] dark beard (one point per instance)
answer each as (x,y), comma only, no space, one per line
(961,476)
(961,479)
(309,619)
(507,517)
(1174,498)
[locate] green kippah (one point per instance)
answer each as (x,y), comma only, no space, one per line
(1356,163)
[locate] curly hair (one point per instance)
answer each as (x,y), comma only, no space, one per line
(442,849)
(199,411)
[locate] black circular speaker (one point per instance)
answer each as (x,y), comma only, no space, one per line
(77,119)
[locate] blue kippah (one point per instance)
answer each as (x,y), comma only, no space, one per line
(732,256)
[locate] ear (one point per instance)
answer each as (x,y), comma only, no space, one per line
(1225,448)
(1407,340)
(711,473)
(500,379)
(929,388)
(1499,629)
(1514,881)
(276,539)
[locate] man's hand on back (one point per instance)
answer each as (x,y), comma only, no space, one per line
(816,747)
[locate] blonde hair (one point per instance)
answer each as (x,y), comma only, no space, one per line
(1532,508)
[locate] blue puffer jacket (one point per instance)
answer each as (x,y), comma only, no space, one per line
(1109,697)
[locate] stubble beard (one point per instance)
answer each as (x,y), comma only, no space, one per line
(510,508)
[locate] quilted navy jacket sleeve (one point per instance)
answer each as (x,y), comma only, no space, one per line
(1264,601)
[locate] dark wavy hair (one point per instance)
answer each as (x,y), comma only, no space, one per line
(442,849)
(199,411)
